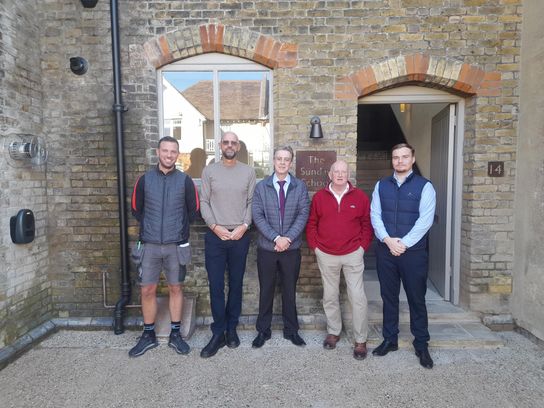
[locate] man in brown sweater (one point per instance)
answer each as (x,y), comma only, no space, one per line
(225,204)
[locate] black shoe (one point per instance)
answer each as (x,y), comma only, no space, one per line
(216,342)
(260,340)
(147,342)
(295,339)
(232,339)
(177,343)
(385,348)
(425,358)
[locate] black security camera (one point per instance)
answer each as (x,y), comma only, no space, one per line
(79,65)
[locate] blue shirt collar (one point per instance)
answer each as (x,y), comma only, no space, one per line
(399,183)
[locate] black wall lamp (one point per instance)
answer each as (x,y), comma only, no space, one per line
(89,3)
(79,65)
(22,227)
(316,132)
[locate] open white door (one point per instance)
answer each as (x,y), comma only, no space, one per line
(442,144)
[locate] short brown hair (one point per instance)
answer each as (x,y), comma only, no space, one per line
(168,139)
(401,145)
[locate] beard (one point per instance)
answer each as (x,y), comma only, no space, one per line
(229,154)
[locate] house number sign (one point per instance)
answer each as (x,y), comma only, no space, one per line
(495,169)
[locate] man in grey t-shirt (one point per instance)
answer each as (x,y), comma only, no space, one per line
(225,205)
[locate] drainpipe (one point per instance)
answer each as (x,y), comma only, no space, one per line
(119,109)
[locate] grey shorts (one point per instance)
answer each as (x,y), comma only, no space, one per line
(152,259)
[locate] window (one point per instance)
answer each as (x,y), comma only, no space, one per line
(172,127)
(204,96)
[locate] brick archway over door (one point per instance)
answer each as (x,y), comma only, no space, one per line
(240,42)
(420,69)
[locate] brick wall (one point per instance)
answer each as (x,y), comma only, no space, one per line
(81,174)
(25,298)
(467,47)
(315,49)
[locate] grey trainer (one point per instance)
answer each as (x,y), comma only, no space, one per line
(178,344)
(147,342)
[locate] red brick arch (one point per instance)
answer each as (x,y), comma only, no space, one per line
(189,41)
(420,69)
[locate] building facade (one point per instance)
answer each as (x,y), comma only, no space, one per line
(326,58)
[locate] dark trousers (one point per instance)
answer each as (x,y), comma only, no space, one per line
(224,256)
(410,268)
(271,266)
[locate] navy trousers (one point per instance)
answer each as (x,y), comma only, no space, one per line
(224,256)
(285,266)
(411,268)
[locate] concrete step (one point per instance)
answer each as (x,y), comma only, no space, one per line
(458,336)
(371,167)
(374,165)
(449,326)
(446,330)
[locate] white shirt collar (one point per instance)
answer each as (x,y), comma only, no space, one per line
(275,179)
(338,196)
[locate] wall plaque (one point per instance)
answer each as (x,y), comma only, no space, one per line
(313,168)
(495,169)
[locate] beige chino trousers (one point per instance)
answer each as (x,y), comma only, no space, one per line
(353,266)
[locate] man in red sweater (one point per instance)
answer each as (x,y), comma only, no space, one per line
(339,231)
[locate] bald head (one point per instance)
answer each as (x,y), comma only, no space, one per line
(230,146)
(339,175)
(229,135)
(339,165)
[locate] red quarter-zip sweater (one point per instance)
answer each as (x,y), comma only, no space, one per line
(339,229)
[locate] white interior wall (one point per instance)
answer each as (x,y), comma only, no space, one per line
(416,123)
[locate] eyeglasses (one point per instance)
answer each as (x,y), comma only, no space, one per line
(229,142)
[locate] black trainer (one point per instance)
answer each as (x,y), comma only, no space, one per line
(147,342)
(178,344)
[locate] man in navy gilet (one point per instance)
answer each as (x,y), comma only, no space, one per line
(165,202)
(402,213)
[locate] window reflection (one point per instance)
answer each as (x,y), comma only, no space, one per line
(244,110)
(189,116)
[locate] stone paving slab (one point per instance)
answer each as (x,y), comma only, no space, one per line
(314,338)
(444,335)
(92,369)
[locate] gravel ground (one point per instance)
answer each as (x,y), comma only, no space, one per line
(92,369)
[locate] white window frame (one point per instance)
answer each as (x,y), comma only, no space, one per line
(216,63)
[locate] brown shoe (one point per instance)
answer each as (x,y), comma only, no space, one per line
(359,352)
(330,341)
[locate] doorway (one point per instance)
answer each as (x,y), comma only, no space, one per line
(431,121)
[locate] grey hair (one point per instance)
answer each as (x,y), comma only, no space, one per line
(284,148)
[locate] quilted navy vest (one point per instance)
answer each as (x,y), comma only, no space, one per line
(400,206)
(165,218)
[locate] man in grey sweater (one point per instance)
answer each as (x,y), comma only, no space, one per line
(280,210)
(225,205)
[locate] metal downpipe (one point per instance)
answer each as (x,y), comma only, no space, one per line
(119,109)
